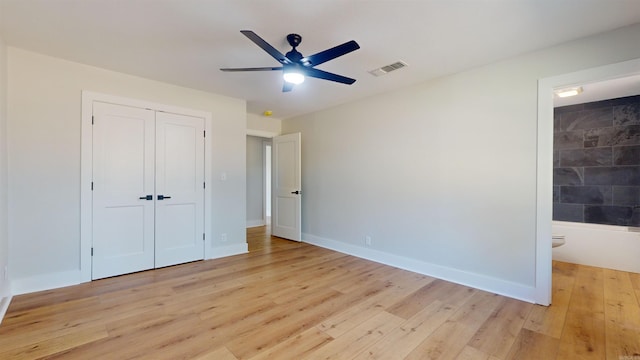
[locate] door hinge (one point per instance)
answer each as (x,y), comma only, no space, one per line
(92,120)
(91,251)
(202,236)
(204,185)
(92,186)
(204,133)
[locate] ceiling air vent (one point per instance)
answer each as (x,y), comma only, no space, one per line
(388,68)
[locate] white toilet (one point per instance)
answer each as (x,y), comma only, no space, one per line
(557,240)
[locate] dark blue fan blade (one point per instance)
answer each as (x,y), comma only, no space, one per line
(330,54)
(287,86)
(252,69)
(266,46)
(328,76)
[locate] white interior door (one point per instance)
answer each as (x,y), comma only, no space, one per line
(287,192)
(179,189)
(123,184)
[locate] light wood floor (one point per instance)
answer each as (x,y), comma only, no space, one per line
(286,300)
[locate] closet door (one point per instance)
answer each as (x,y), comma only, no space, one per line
(179,226)
(123,189)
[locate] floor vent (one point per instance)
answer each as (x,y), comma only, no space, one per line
(388,68)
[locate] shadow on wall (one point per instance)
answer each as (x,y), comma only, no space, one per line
(596,162)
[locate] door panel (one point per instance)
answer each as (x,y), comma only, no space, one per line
(287,182)
(123,167)
(180,175)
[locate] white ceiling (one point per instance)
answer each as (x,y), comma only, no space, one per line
(185,42)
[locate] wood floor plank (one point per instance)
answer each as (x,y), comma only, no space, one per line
(583,336)
(622,316)
(46,348)
(499,332)
(394,289)
(284,321)
(350,318)
(235,309)
(163,338)
(402,340)
(40,318)
(360,276)
(218,354)
(290,300)
(531,345)
(353,341)
(452,336)
(470,353)
(437,290)
(550,320)
(635,282)
(296,347)
(295,317)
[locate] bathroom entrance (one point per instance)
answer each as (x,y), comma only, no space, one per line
(546,157)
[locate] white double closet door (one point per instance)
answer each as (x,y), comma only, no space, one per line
(148,189)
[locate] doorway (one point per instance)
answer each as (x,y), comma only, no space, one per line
(274,184)
(544,166)
(258,180)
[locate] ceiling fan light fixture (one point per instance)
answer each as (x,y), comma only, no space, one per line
(295,66)
(569,92)
(293,77)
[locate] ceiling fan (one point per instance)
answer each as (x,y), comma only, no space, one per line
(294,66)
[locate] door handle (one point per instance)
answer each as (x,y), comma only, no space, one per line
(162,197)
(296,192)
(148,197)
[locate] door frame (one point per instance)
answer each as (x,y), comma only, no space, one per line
(544,165)
(86,169)
(266,180)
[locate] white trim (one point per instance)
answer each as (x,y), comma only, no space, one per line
(262,133)
(482,282)
(208,179)
(266,199)
(255,223)
(229,250)
(4,306)
(544,180)
(86,166)
(46,282)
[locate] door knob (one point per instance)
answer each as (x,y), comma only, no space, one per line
(148,197)
(296,192)
(162,197)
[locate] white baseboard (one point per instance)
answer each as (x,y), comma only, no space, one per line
(68,278)
(229,250)
(482,282)
(45,282)
(255,223)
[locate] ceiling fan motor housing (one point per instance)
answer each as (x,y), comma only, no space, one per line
(294,39)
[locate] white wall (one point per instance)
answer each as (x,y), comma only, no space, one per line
(442,175)
(4,235)
(255,181)
(258,125)
(44,98)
